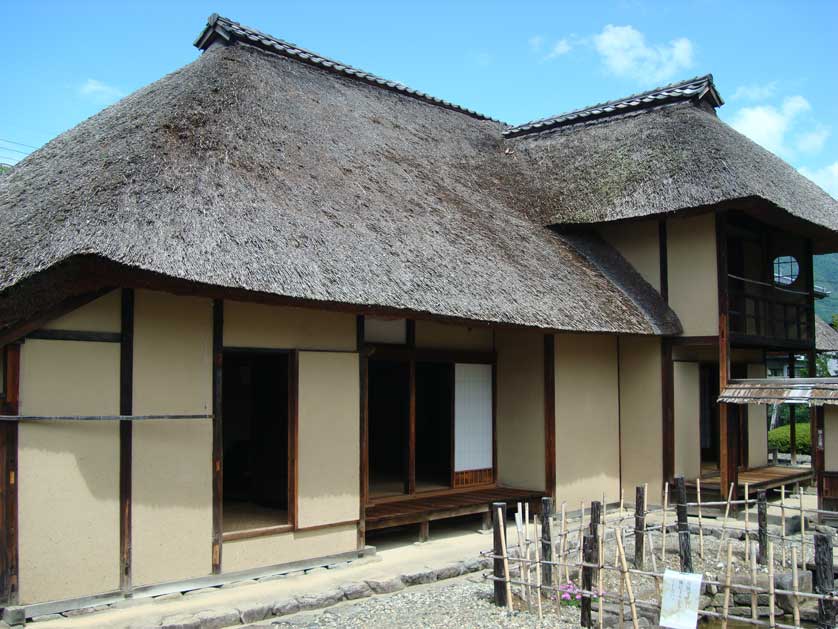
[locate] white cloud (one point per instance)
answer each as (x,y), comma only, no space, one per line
(561,47)
(826,177)
(755,91)
(99,91)
(625,53)
(536,43)
(812,141)
(771,126)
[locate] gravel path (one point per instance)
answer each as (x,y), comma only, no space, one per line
(462,603)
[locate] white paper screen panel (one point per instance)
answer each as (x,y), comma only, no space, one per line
(472,417)
(385,330)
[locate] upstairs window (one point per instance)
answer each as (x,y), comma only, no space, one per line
(786,270)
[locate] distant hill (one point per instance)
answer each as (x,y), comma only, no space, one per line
(826,276)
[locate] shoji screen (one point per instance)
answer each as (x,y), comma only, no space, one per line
(472,417)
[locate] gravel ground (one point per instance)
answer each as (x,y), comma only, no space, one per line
(462,603)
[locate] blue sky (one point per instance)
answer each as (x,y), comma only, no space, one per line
(774,62)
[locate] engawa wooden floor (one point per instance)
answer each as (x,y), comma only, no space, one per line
(767,477)
(418,508)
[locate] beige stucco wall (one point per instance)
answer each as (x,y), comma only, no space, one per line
(687,412)
(258,325)
(172,354)
(289,547)
(693,281)
(446,336)
(68,472)
(637,242)
(100,315)
(830,438)
(172,471)
(640,414)
(329,450)
(757,425)
(171,500)
(587,418)
(520,408)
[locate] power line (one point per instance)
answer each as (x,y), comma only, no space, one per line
(6,148)
(29,146)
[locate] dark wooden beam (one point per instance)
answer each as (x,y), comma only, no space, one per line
(410,332)
(667,411)
(363,463)
(8,480)
(126,428)
(76,335)
(293,437)
(217,434)
(664,260)
(728,428)
(549,415)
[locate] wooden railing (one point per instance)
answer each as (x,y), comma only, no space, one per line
(764,310)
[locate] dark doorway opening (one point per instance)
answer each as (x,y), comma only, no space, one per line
(434,425)
(388,416)
(709,416)
(256,398)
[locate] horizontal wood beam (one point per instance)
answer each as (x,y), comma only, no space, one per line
(76,335)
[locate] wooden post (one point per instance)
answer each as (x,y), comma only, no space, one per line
(639,525)
(771,597)
(126,439)
(596,517)
(499,521)
(589,557)
(700,521)
(795,586)
(626,579)
(783,521)
(762,525)
(546,540)
(684,550)
(424,531)
(823,580)
(663,521)
(217,433)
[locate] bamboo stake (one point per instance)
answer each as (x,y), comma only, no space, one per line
(564,543)
(600,570)
(645,518)
(795,599)
(663,523)
(726,605)
(581,534)
(519,529)
(700,522)
(754,583)
(802,529)
(783,522)
(627,579)
(505,557)
(537,566)
(528,578)
(747,525)
(771,596)
(724,522)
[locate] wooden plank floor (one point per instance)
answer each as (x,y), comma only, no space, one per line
(414,509)
(767,477)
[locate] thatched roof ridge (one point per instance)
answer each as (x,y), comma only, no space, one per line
(826,337)
(696,89)
(253,171)
(662,160)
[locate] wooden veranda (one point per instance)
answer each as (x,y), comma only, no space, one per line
(759,478)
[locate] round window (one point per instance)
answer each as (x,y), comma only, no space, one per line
(786,270)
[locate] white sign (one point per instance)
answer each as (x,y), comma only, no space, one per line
(680,600)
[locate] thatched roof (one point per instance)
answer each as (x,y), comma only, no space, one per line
(250,170)
(826,337)
(651,159)
(268,171)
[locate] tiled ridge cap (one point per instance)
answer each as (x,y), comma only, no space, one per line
(691,89)
(228,30)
